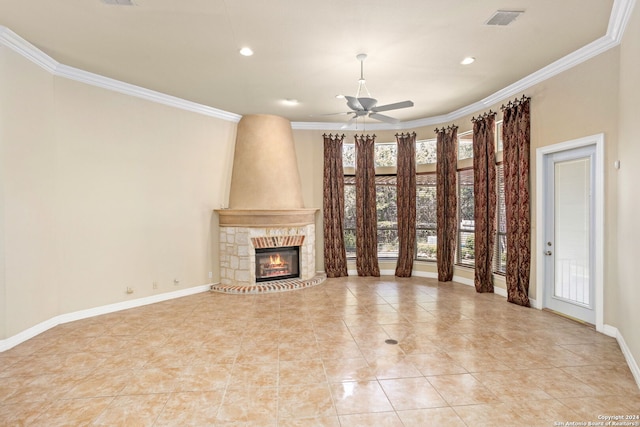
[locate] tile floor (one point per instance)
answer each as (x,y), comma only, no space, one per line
(318,357)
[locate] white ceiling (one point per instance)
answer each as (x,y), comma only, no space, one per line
(306,50)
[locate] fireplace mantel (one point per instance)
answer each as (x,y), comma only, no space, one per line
(266,217)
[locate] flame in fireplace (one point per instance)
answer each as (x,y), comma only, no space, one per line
(275,260)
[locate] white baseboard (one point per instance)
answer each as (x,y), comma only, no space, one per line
(425,274)
(612,331)
(458,279)
(464,281)
(500,291)
(25,335)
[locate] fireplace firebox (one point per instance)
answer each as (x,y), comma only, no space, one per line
(277,263)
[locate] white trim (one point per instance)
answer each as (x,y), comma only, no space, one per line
(22,47)
(92,79)
(598,141)
(27,334)
(501,291)
(425,274)
(569,61)
(619,18)
(463,280)
(535,304)
(610,331)
(434,275)
(620,15)
(19,45)
(628,356)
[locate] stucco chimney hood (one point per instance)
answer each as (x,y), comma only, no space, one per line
(265,182)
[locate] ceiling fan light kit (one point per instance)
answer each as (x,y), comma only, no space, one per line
(366,106)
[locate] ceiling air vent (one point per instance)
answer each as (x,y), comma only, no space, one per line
(504,17)
(119,2)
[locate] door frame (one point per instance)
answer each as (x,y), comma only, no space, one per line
(598,141)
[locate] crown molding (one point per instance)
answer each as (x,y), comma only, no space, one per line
(22,47)
(97,80)
(618,20)
(569,61)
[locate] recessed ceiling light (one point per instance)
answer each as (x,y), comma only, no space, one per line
(340,96)
(468,60)
(246,51)
(290,101)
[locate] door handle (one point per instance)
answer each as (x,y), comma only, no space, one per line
(548,253)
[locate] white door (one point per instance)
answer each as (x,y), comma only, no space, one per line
(569,232)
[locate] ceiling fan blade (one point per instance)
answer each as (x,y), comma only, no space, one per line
(384,118)
(353,103)
(394,106)
(349,123)
(368,104)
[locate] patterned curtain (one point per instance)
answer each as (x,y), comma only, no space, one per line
(406,204)
(447,210)
(515,137)
(366,213)
(485,198)
(335,256)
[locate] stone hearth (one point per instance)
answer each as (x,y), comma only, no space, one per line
(238,245)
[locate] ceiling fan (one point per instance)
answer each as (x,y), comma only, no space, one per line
(362,106)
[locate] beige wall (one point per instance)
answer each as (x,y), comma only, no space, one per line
(626,291)
(28,164)
(102,191)
(579,102)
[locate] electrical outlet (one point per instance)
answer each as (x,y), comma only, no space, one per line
(176,282)
(155,285)
(129,290)
(211,275)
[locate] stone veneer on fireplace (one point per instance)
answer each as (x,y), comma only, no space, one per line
(238,247)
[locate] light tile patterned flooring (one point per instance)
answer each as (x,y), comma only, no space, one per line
(318,357)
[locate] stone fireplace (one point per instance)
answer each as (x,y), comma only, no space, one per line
(266,213)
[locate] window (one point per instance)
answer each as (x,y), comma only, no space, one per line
(426,217)
(500,249)
(350,215)
(465,145)
(386,154)
(500,255)
(387,217)
(426,202)
(386,198)
(386,205)
(466,225)
(426,151)
(499,136)
(349,155)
